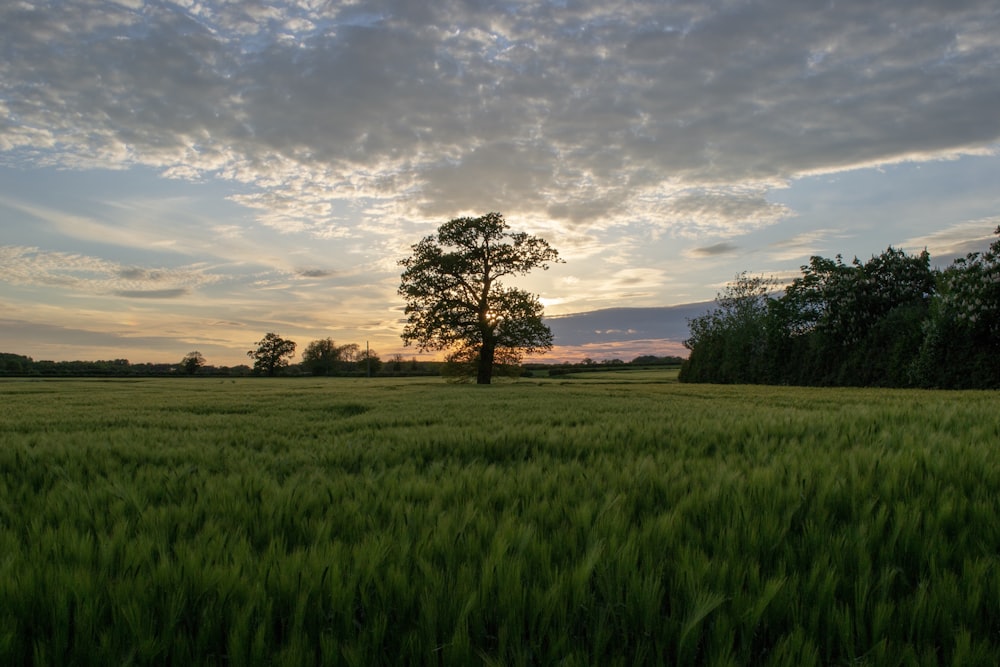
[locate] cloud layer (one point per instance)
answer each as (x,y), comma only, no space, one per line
(683,115)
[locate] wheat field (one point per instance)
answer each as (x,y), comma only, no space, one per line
(618,519)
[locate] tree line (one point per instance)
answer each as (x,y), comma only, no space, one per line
(272,356)
(892,321)
(330,359)
(321,358)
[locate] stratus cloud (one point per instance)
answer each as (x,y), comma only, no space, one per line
(172,293)
(723,248)
(92,275)
(586,113)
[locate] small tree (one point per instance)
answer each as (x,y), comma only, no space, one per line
(272,354)
(192,362)
(455,300)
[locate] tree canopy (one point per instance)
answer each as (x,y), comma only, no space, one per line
(271,354)
(324,357)
(456,300)
(890,321)
(192,362)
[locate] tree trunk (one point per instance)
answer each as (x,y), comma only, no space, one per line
(486,354)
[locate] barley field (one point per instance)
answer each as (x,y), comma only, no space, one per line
(618,519)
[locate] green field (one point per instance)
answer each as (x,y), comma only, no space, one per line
(615,519)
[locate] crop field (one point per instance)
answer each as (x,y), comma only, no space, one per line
(618,519)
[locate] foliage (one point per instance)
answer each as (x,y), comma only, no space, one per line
(271,354)
(192,362)
(588,365)
(14,363)
(461,366)
(729,344)
(961,345)
(583,522)
(890,321)
(455,299)
(324,357)
(860,317)
(369,362)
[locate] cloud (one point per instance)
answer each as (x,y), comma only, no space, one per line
(724,248)
(315,273)
(955,241)
(154,294)
(590,114)
(47,341)
(625,324)
(25,266)
(804,245)
(139,274)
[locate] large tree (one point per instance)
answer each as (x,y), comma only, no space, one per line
(271,354)
(455,299)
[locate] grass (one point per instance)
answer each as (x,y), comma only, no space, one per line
(599,520)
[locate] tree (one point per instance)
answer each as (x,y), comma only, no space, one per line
(350,354)
(961,344)
(857,323)
(369,362)
(323,357)
(455,300)
(729,344)
(273,353)
(461,365)
(192,362)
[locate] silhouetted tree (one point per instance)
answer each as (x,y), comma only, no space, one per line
(271,354)
(192,362)
(455,300)
(369,362)
(323,357)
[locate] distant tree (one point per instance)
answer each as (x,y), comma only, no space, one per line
(15,363)
(192,362)
(350,353)
(653,360)
(646,360)
(369,362)
(322,357)
(397,362)
(455,300)
(271,354)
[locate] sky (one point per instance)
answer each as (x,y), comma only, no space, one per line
(192,174)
